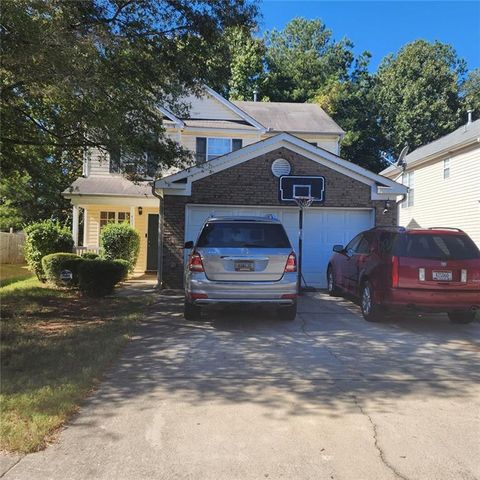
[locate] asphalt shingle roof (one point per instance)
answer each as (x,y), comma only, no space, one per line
(109,185)
(290,117)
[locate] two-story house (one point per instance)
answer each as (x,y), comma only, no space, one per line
(444,182)
(242,149)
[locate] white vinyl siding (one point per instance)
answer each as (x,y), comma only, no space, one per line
(452,203)
(409,181)
(209,108)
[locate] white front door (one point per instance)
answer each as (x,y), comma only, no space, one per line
(322,228)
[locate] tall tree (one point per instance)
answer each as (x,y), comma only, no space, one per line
(246,63)
(470,90)
(301,58)
(79,74)
(418,94)
(353,105)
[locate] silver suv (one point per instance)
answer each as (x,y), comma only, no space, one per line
(241,260)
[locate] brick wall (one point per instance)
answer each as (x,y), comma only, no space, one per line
(252,183)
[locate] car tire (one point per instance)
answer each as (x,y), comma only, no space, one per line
(370,310)
(333,290)
(288,313)
(465,316)
(191,311)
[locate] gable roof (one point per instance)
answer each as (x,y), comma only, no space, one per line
(182,180)
(111,185)
(461,137)
(291,117)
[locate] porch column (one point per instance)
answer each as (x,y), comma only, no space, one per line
(85,227)
(75,225)
(132,216)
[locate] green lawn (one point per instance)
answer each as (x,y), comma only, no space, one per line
(13,273)
(55,346)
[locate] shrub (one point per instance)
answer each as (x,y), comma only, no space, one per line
(43,238)
(97,278)
(124,268)
(90,255)
(54,263)
(120,241)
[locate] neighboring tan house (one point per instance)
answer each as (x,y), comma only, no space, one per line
(241,150)
(444,183)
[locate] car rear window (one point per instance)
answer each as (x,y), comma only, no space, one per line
(243,234)
(435,246)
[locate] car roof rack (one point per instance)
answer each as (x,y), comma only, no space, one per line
(446,228)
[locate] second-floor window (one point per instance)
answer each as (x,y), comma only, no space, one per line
(446,168)
(144,165)
(208,148)
(408,180)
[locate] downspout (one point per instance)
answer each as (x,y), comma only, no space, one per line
(160,238)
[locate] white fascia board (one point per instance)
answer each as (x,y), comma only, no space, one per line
(115,200)
(172,117)
(192,130)
(316,154)
(236,109)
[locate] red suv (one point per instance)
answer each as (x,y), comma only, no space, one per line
(435,269)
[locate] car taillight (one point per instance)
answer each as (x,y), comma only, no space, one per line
(195,264)
(394,272)
(421,274)
(291,265)
(463,275)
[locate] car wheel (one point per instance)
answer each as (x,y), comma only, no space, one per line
(370,310)
(288,313)
(191,311)
(466,316)
(332,288)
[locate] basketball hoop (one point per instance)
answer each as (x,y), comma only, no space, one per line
(304,202)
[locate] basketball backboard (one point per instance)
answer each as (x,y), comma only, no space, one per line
(294,188)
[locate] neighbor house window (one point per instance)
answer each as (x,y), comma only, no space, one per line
(210,148)
(113,217)
(408,180)
(446,168)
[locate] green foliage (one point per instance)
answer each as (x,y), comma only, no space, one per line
(353,105)
(246,64)
(54,263)
(92,73)
(90,255)
(97,278)
(471,92)
(43,238)
(124,268)
(302,58)
(120,241)
(417,92)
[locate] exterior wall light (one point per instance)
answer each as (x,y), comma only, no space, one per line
(140,210)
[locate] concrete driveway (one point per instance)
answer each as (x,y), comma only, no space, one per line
(245,396)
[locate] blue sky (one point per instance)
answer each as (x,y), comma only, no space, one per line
(382,27)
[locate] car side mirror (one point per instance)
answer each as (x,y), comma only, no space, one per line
(188,245)
(338,248)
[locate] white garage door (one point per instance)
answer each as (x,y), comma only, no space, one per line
(323,228)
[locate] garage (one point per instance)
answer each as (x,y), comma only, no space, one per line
(322,229)
(268,178)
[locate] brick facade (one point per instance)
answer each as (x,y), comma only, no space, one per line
(252,183)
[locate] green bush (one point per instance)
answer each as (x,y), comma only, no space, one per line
(124,268)
(54,263)
(97,278)
(90,255)
(120,241)
(43,238)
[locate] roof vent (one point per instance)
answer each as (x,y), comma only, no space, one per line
(281,167)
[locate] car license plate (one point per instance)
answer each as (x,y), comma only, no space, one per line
(442,276)
(244,266)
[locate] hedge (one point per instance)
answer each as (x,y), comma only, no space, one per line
(97,278)
(90,255)
(120,241)
(43,238)
(54,263)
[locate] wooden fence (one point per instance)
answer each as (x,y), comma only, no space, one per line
(11,247)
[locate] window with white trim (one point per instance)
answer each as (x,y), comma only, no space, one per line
(208,148)
(113,217)
(408,180)
(446,168)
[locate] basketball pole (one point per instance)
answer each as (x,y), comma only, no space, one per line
(300,247)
